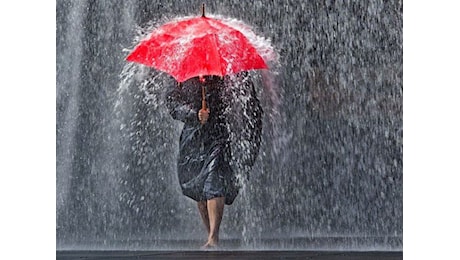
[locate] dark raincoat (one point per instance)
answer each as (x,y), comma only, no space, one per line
(205,155)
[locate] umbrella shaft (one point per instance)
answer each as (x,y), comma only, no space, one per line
(203,99)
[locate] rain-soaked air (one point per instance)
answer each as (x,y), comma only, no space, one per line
(328,174)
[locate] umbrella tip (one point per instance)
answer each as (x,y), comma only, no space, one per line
(202,10)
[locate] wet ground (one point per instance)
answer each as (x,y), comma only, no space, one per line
(320,255)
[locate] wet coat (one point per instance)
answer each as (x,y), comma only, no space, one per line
(205,154)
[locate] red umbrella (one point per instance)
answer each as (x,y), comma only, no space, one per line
(196,47)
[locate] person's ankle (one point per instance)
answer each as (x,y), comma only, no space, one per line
(213,239)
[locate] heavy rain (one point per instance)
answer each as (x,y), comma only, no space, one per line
(329,171)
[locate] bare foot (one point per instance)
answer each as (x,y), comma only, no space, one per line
(211,244)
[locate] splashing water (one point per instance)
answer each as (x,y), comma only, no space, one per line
(155,84)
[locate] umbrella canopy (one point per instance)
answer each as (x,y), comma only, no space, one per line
(197,46)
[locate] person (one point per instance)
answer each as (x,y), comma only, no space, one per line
(204,163)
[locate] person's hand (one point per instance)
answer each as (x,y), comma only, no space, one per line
(203,115)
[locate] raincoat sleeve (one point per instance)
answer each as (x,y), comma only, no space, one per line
(179,108)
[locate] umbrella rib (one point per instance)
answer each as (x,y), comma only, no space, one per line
(214,43)
(216,52)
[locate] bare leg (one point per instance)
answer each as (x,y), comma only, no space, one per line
(203,208)
(215,213)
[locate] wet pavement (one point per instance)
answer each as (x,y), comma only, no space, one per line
(320,255)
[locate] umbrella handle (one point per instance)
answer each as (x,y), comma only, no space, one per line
(203,98)
(203,103)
